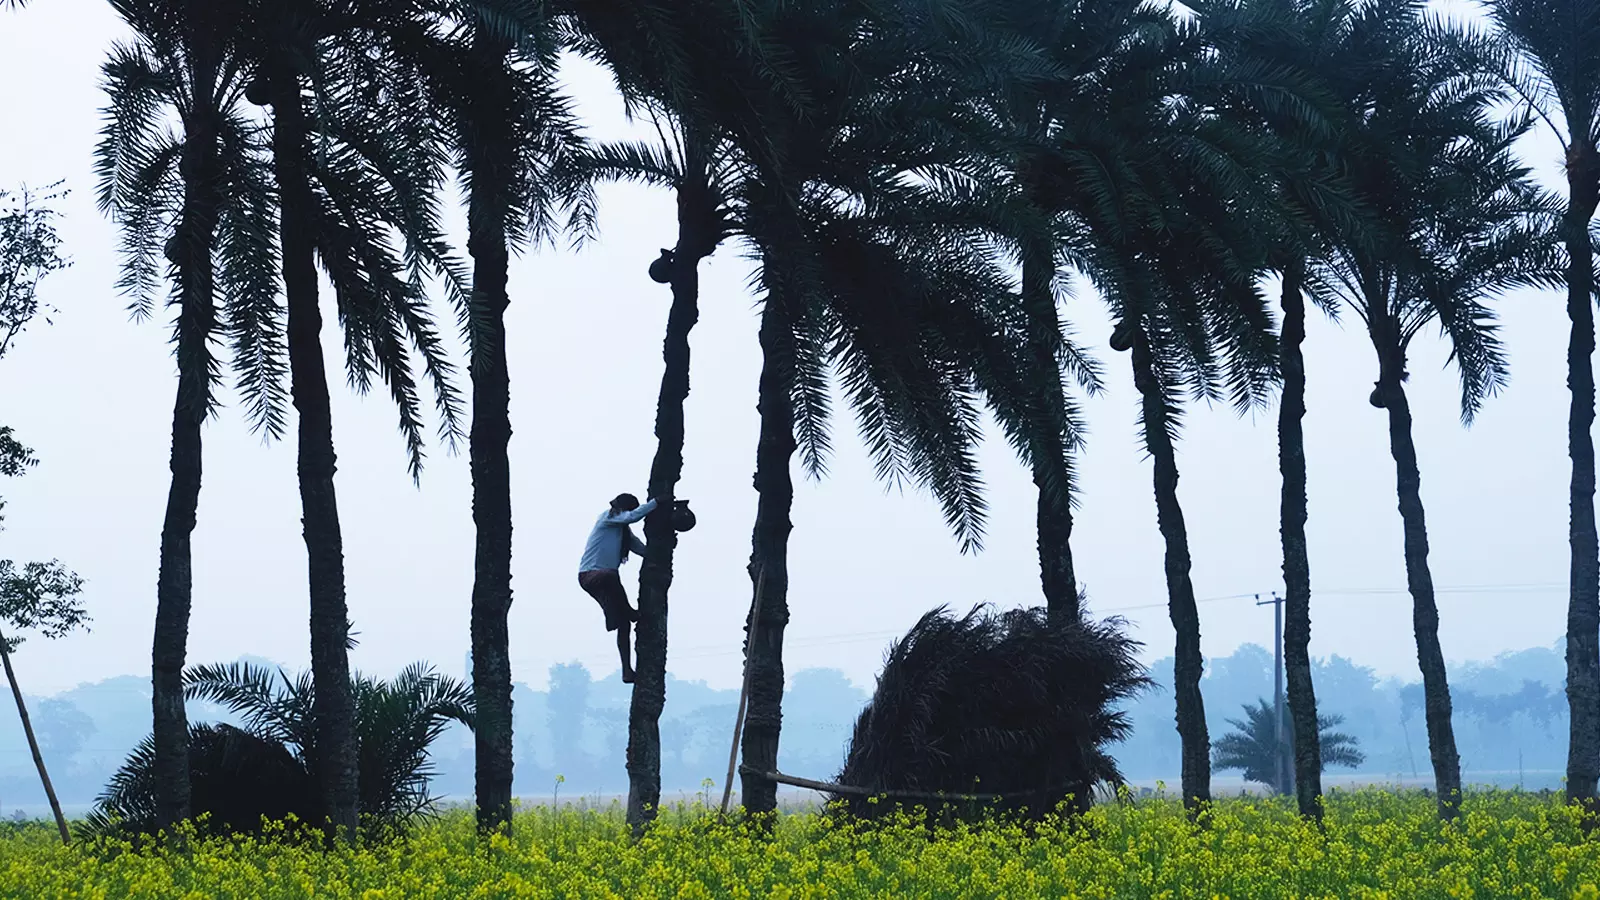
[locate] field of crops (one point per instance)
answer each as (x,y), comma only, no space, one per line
(1376,845)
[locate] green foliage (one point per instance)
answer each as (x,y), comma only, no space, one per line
(30,249)
(38,596)
(237,780)
(189,64)
(42,597)
(1456,219)
(15,459)
(828,133)
(1253,744)
(1549,52)
(268,768)
(375,172)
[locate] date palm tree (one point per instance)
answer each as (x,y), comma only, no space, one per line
(863,279)
(1159,204)
(372,172)
(698,168)
(1550,53)
(1460,223)
(1309,42)
(485,70)
(875,302)
(665,79)
(194,204)
(1091,50)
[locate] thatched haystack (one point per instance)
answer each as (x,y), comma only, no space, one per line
(995,703)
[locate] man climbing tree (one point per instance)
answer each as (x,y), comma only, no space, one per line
(599,573)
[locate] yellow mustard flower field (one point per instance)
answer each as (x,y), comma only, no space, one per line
(1375,845)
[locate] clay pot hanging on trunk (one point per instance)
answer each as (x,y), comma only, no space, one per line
(683,518)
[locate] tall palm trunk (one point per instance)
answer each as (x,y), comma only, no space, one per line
(1050,472)
(696,240)
(196,235)
(33,743)
(1296,558)
(1187,662)
(769,558)
(1583,605)
(330,662)
(1419,578)
(490,160)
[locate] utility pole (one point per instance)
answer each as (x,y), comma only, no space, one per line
(1281,767)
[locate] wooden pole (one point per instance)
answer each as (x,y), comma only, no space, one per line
(1285,763)
(33,744)
(744,691)
(826,787)
(1282,765)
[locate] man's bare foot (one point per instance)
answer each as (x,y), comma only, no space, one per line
(627,678)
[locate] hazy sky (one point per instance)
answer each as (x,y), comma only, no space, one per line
(93,395)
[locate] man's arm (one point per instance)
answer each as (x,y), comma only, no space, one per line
(628,518)
(637,546)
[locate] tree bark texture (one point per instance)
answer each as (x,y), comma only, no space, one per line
(1188,665)
(695,242)
(769,559)
(1583,605)
(33,744)
(333,703)
(1296,557)
(1419,579)
(196,233)
(1052,474)
(490,165)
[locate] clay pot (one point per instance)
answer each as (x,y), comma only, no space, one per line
(661,269)
(683,518)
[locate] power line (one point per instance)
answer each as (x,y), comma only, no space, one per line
(706,651)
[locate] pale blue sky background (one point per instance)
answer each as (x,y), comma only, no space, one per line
(93,395)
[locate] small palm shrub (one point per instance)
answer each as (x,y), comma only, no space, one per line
(266,770)
(1253,744)
(1003,703)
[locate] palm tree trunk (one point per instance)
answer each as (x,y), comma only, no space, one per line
(1188,664)
(33,743)
(695,242)
(490,160)
(333,710)
(174,581)
(769,559)
(1053,521)
(1583,605)
(1051,474)
(1424,608)
(1296,558)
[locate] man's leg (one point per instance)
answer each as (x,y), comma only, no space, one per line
(625,650)
(617,597)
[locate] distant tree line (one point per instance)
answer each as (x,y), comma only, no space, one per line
(1509,711)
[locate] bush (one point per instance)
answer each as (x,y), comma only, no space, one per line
(995,703)
(240,778)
